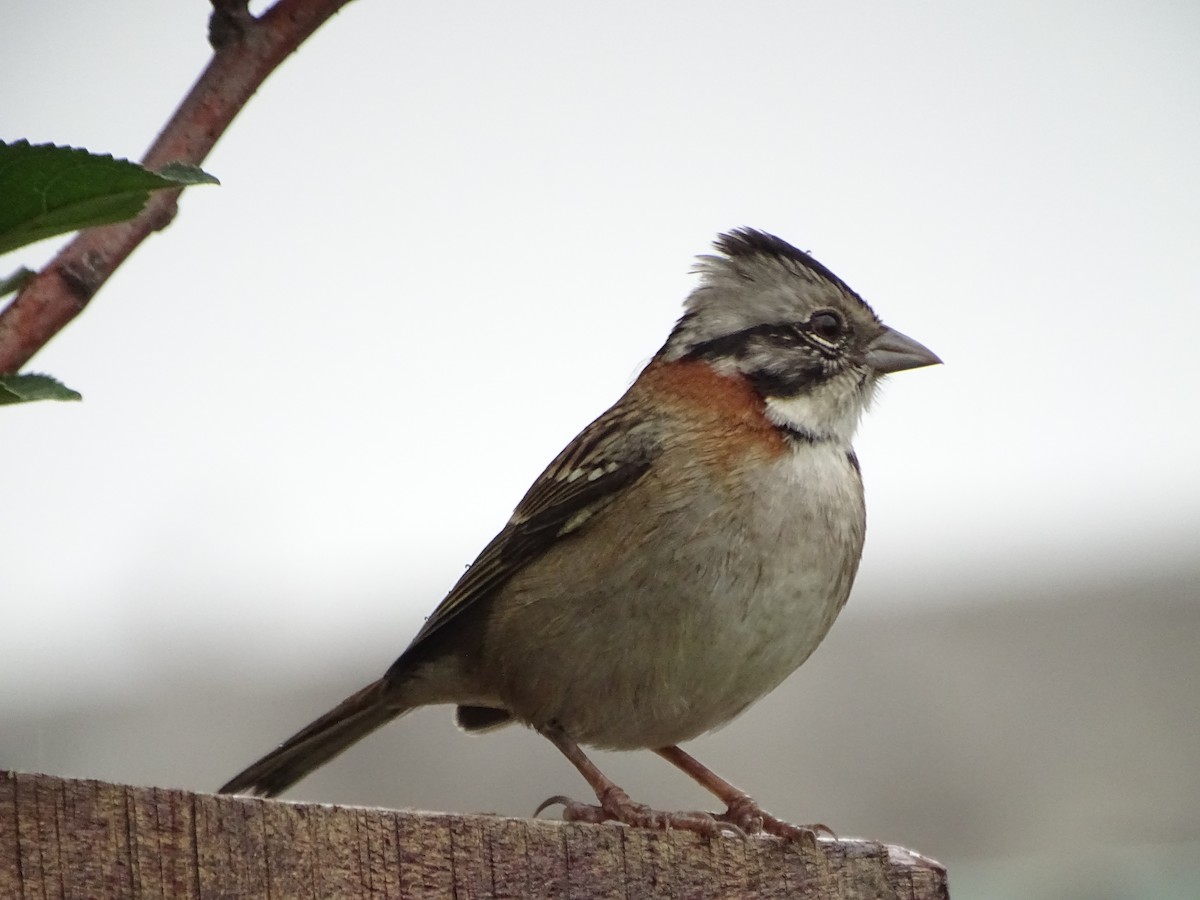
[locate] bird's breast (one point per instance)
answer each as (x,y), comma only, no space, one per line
(692,597)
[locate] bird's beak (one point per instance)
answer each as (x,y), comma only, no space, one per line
(895,352)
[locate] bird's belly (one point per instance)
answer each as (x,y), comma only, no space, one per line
(679,632)
(671,685)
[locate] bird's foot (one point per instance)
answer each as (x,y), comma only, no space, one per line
(747,816)
(615,806)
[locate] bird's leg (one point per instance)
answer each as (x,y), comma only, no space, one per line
(742,810)
(615,805)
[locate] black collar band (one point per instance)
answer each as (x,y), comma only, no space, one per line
(798,435)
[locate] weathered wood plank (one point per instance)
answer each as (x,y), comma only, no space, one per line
(72,838)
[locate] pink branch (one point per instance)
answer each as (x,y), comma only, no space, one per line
(247,50)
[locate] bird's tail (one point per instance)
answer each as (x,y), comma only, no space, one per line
(351,720)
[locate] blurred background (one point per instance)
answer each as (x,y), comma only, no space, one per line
(448,235)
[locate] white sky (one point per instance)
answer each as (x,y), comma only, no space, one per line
(449,235)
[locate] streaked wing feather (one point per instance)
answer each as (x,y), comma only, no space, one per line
(608,456)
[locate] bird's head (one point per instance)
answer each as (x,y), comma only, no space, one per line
(810,346)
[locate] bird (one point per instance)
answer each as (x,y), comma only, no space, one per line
(679,559)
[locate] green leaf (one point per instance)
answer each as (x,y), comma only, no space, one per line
(15,281)
(182,173)
(28,387)
(47,190)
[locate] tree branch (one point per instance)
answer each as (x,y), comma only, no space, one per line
(247,50)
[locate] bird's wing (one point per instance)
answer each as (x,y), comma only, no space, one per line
(606,458)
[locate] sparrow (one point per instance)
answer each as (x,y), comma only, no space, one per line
(676,562)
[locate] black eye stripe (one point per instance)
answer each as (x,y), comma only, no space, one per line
(782,334)
(789,383)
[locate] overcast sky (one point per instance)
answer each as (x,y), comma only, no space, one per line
(448,235)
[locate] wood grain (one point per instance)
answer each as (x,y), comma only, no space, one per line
(71,838)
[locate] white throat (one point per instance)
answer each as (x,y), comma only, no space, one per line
(830,413)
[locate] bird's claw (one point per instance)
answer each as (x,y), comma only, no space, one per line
(750,818)
(743,817)
(615,806)
(551,801)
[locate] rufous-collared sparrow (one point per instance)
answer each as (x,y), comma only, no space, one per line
(678,560)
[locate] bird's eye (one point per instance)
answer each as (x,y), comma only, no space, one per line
(827,326)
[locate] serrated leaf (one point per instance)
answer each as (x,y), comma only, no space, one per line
(27,387)
(47,190)
(15,281)
(182,173)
